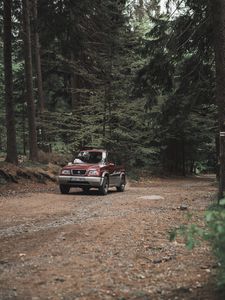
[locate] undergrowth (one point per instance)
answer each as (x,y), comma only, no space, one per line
(213,232)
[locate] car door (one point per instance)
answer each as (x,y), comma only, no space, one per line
(114,175)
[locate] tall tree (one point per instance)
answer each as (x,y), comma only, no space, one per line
(10,119)
(29,82)
(178,84)
(218,22)
(37,48)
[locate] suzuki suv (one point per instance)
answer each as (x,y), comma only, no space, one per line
(92,168)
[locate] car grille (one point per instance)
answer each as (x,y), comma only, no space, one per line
(80,183)
(78,172)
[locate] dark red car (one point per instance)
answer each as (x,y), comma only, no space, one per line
(92,168)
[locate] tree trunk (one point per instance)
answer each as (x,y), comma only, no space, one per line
(104,118)
(108,87)
(218,18)
(140,10)
(75,96)
(183,158)
(24,130)
(74,78)
(10,118)
(41,99)
(217,143)
(29,83)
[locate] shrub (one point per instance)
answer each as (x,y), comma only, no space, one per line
(213,232)
(54,158)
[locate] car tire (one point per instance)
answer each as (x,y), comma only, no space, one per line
(121,187)
(105,186)
(64,189)
(86,190)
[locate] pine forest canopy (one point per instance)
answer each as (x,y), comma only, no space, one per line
(135,76)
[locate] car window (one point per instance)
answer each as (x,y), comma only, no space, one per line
(114,158)
(89,157)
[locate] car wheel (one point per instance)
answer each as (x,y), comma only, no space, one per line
(105,186)
(121,187)
(64,189)
(86,190)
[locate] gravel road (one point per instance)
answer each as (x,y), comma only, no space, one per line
(80,246)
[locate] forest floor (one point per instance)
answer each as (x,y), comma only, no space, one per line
(117,246)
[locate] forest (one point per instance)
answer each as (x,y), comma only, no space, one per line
(138,77)
(142,78)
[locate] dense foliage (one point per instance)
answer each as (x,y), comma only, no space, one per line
(124,75)
(120,74)
(178,81)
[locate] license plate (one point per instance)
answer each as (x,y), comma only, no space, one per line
(76,179)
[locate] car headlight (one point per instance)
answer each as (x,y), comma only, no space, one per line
(65,172)
(93,172)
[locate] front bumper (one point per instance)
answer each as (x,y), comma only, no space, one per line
(80,181)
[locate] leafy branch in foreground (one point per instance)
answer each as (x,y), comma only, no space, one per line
(213,233)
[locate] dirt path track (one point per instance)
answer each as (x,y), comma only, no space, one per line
(80,246)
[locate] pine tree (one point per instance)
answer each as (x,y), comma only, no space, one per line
(29,83)
(178,82)
(10,118)
(37,48)
(218,22)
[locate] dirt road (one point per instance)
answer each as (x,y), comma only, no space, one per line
(80,246)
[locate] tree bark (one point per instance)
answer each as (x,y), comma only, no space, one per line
(29,83)
(74,85)
(108,86)
(183,158)
(37,47)
(10,118)
(218,22)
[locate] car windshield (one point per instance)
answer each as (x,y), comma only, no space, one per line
(89,157)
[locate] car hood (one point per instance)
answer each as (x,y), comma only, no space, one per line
(82,166)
